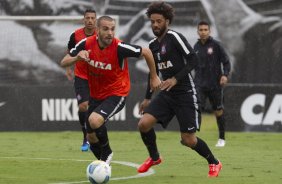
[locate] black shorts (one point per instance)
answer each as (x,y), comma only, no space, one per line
(106,108)
(184,106)
(81,88)
(215,97)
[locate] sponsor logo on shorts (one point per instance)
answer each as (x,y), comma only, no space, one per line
(190,128)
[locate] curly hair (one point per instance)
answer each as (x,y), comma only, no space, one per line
(160,7)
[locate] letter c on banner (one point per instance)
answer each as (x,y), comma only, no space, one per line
(247,109)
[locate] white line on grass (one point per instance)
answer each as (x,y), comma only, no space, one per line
(130,164)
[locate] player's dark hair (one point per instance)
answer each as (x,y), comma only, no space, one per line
(201,23)
(104,17)
(162,8)
(89,11)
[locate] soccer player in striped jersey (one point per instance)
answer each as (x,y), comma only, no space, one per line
(174,59)
(108,77)
(80,72)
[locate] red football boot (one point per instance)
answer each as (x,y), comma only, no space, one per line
(214,169)
(149,162)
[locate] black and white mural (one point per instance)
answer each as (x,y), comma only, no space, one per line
(251,31)
(30,50)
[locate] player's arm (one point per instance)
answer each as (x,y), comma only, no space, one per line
(71,44)
(224,60)
(154,79)
(128,50)
(189,55)
(76,54)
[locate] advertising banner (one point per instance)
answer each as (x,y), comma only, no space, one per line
(250,107)
(54,108)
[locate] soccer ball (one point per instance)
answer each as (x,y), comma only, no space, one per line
(98,172)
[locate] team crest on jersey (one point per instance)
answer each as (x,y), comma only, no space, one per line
(210,50)
(163,49)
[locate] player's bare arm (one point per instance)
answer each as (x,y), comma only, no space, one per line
(155,81)
(69,73)
(68,60)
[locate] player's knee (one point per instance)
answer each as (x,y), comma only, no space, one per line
(143,125)
(82,107)
(218,113)
(95,120)
(189,140)
(146,123)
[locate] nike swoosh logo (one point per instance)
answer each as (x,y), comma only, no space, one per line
(2,103)
(103,112)
(191,128)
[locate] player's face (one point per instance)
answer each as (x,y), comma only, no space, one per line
(89,20)
(159,24)
(106,33)
(203,32)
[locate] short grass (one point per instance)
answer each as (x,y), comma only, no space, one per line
(54,157)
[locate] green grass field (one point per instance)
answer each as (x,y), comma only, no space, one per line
(45,158)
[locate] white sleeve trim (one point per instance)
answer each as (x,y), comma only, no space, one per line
(77,44)
(129,47)
(180,41)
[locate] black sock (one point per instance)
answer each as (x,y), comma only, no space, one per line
(82,118)
(221,126)
(149,139)
(203,150)
(102,136)
(96,150)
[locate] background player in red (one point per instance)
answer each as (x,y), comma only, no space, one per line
(80,72)
(108,77)
(175,59)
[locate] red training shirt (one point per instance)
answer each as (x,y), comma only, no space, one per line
(80,67)
(108,69)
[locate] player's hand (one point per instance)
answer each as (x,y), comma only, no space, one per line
(69,73)
(168,84)
(223,80)
(143,105)
(83,55)
(155,83)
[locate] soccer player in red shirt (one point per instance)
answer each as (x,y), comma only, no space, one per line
(108,78)
(80,71)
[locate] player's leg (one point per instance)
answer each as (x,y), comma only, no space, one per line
(156,112)
(106,109)
(82,115)
(148,136)
(189,118)
(91,135)
(216,99)
(191,140)
(82,96)
(94,144)
(202,96)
